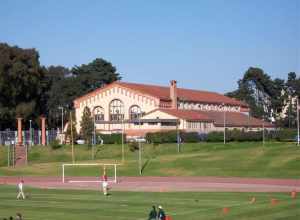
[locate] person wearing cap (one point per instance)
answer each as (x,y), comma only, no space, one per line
(161,214)
(153,214)
(20,187)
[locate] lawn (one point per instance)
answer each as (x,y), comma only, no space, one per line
(247,159)
(53,204)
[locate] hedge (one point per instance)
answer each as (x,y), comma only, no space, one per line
(110,138)
(171,137)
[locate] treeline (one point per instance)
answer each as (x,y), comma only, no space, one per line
(28,89)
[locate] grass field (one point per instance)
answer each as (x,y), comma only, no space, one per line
(274,160)
(48,204)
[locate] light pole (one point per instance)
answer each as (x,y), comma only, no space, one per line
(123,156)
(263,132)
(62,123)
(140,147)
(94,138)
(298,121)
(30,134)
(224,117)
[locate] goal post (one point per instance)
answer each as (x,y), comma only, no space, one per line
(86,179)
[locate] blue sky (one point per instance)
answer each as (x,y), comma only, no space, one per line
(204,45)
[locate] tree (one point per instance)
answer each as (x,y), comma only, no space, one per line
(21,85)
(87,125)
(95,74)
(67,85)
(264,96)
(73,126)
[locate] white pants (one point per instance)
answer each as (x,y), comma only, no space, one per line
(20,194)
(104,187)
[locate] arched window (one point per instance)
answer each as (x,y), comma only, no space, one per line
(135,112)
(116,110)
(99,113)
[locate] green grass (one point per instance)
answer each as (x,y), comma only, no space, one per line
(250,159)
(52,204)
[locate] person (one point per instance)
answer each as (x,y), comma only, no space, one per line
(153,214)
(104,183)
(161,214)
(19,216)
(20,187)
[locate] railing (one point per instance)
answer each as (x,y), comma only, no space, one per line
(33,137)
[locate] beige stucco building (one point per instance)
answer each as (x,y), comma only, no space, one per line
(138,108)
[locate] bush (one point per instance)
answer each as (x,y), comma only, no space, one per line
(110,138)
(171,137)
(235,135)
(133,146)
(55,145)
(285,134)
(190,137)
(215,136)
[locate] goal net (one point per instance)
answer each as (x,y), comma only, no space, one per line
(88,172)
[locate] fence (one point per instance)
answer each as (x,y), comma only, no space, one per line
(33,137)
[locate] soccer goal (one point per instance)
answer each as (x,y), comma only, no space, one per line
(88,172)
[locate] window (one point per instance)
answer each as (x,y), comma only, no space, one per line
(135,112)
(168,123)
(99,113)
(116,110)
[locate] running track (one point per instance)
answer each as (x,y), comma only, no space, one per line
(166,184)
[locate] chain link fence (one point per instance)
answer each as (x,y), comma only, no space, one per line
(33,137)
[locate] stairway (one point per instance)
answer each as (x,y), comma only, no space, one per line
(20,155)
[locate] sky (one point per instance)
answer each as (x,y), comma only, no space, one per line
(203,44)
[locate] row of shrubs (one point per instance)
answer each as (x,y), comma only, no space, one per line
(218,136)
(193,137)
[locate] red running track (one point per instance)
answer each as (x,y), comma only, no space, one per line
(166,184)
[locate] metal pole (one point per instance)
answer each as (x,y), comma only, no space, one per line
(30,133)
(123,156)
(63,173)
(263,133)
(224,117)
(94,139)
(298,121)
(73,159)
(178,137)
(8,155)
(115,173)
(140,148)
(62,123)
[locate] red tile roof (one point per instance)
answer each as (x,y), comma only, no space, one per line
(186,114)
(235,119)
(163,93)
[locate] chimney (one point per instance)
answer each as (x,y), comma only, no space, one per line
(173,93)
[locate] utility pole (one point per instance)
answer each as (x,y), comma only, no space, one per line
(94,139)
(178,136)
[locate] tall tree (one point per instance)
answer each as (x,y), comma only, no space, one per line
(87,125)
(95,74)
(264,95)
(21,84)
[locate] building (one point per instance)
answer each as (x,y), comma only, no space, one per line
(138,108)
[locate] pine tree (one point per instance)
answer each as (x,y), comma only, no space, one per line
(87,125)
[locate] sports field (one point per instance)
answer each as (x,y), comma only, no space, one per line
(46,204)
(245,159)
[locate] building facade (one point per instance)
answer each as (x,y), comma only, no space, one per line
(138,108)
